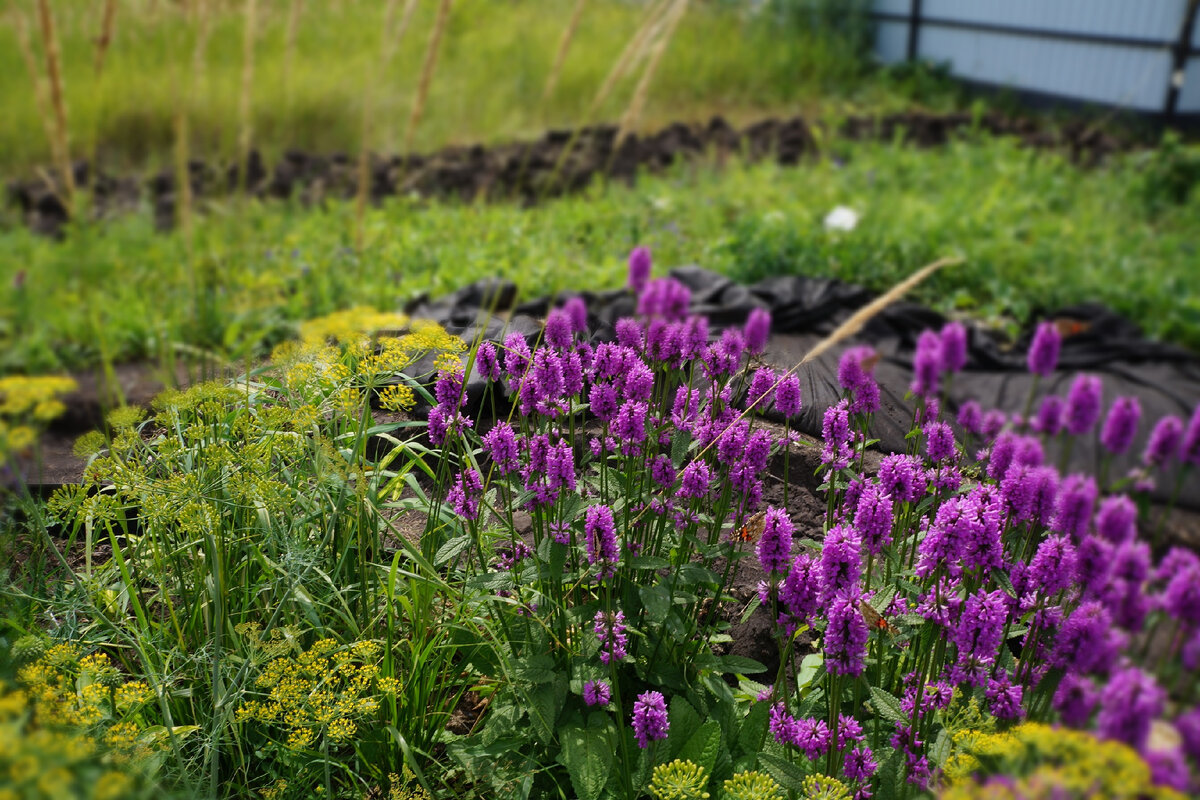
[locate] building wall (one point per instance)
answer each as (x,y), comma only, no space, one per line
(1108,52)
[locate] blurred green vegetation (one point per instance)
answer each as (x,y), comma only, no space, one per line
(1036,232)
(740,60)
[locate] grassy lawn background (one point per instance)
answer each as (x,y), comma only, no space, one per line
(1036,233)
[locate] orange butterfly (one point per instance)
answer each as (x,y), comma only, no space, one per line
(752,529)
(874,619)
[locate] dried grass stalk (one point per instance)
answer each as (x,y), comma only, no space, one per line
(634,51)
(849,328)
(40,94)
(633,112)
(58,103)
(431,54)
(246,132)
(289,48)
(199,51)
(564,45)
(104,41)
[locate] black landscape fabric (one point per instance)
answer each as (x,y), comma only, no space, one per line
(1164,378)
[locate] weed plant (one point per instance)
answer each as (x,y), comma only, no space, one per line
(552,625)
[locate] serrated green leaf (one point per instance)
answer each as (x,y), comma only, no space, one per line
(657,601)
(754,728)
(739,665)
(546,702)
(684,722)
(451,549)
(681,440)
(703,746)
(883,598)
(886,705)
(1001,577)
(788,775)
(587,753)
(941,749)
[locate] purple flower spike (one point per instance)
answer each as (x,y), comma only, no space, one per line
(1164,442)
(1116,520)
(757,330)
(1073,512)
(1049,418)
(1188,725)
(487,363)
(1128,704)
(787,396)
(846,635)
(954,346)
(516,355)
(775,546)
(1075,700)
(1121,424)
(610,632)
(855,374)
(576,310)
(1043,350)
(1085,644)
(970,417)
(601,539)
(639,268)
(597,693)
(939,442)
(650,718)
(760,386)
(559,329)
(1190,453)
(841,563)
(927,364)
(1083,405)
(873,518)
(464,495)
(696,480)
(500,443)
(835,429)
(1004,698)
(902,477)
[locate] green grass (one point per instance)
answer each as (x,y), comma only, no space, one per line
(488,85)
(1035,232)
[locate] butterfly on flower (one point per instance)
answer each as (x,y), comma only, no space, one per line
(874,619)
(753,528)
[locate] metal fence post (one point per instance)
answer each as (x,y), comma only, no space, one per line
(914,29)
(1183,46)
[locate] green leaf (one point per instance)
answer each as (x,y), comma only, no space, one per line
(587,753)
(684,722)
(681,440)
(754,728)
(886,705)
(739,665)
(941,748)
(657,602)
(789,775)
(702,748)
(538,669)
(810,667)
(546,703)
(649,562)
(450,550)
(1001,577)
(883,598)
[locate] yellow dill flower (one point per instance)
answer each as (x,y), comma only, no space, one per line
(448,362)
(388,685)
(300,738)
(679,780)
(20,394)
(133,693)
(89,444)
(18,439)
(47,410)
(55,782)
(822,787)
(112,786)
(275,790)
(125,417)
(752,785)
(397,397)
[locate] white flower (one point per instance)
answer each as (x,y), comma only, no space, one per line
(841,218)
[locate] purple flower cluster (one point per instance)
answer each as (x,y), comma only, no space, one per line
(600,536)
(650,721)
(856,376)
(809,736)
(610,632)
